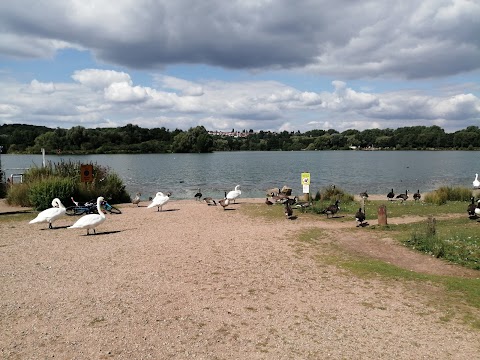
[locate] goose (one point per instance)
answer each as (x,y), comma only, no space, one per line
(477,209)
(332,209)
(91,221)
(471,207)
(224,202)
(403,197)
(232,195)
(268,202)
(279,198)
(198,195)
(290,201)
(210,201)
(136,199)
(288,210)
(51,214)
(417,195)
(360,217)
(302,204)
(391,195)
(476,183)
(364,195)
(159,200)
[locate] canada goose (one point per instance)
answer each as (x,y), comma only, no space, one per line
(91,221)
(303,204)
(136,199)
(360,217)
(210,201)
(51,214)
(268,202)
(417,195)
(159,200)
(232,195)
(290,201)
(279,198)
(224,203)
(471,207)
(476,183)
(288,210)
(198,195)
(403,197)
(364,195)
(391,195)
(332,209)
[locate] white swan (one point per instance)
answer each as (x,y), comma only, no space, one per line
(51,214)
(90,221)
(476,183)
(477,209)
(232,195)
(159,200)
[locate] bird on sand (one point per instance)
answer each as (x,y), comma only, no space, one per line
(51,214)
(268,202)
(417,196)
(91,221)
(159,200)
(136,199)
(198,195)
(360,217)
(210,201)
(364,195)
(288,210)
(224,203)
(234,194)
(391,195)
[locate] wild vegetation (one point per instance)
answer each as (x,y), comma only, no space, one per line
(63,180)
(18,138)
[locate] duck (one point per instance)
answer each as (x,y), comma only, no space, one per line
(476,182)
(91,221)
(471,207)
(198,195)
(360,217)
(159,200)
(332,209)
(268,202)
(224,203)
(288,210)
(210,201)
(417,195)
(391,195)
(136,199)
(403,197)
(364,195)
(51,214)
(234,194)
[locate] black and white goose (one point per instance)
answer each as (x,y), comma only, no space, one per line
(268,202)
(471,207)
(288,210)
(210,201)
(360,217)
(403,197)
(198,195)
(391,195)
(364,195)
(417,196)
(332,209)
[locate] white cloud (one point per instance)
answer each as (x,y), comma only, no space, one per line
(100,79)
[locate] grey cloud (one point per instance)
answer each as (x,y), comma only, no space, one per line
(346,38)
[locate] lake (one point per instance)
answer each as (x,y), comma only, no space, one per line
(354,171)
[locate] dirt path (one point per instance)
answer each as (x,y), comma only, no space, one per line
(199,282)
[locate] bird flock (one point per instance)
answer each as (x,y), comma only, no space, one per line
(274,196)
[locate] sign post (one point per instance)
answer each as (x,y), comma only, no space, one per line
(86,173)
(306,185)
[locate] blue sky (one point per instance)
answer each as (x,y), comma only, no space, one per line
(262,65)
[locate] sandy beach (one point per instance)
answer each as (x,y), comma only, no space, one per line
(199,282)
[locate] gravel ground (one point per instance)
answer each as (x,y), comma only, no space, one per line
(200,282)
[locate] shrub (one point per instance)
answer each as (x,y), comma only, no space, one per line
(17,194)
(446,193)
(41,193)
(332,193)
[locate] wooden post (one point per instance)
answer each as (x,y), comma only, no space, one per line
(431,226)
(382,215)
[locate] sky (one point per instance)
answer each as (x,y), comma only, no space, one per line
(269,65)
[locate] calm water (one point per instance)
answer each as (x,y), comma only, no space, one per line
(354,171)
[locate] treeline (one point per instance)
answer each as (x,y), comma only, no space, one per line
(134,139)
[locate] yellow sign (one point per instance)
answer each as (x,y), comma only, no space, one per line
(86,173)
(305,178)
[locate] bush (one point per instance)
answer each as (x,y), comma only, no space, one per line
(446,193)
(332,193)
(43,184)
(41,193)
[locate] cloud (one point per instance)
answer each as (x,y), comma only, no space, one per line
(345,39)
